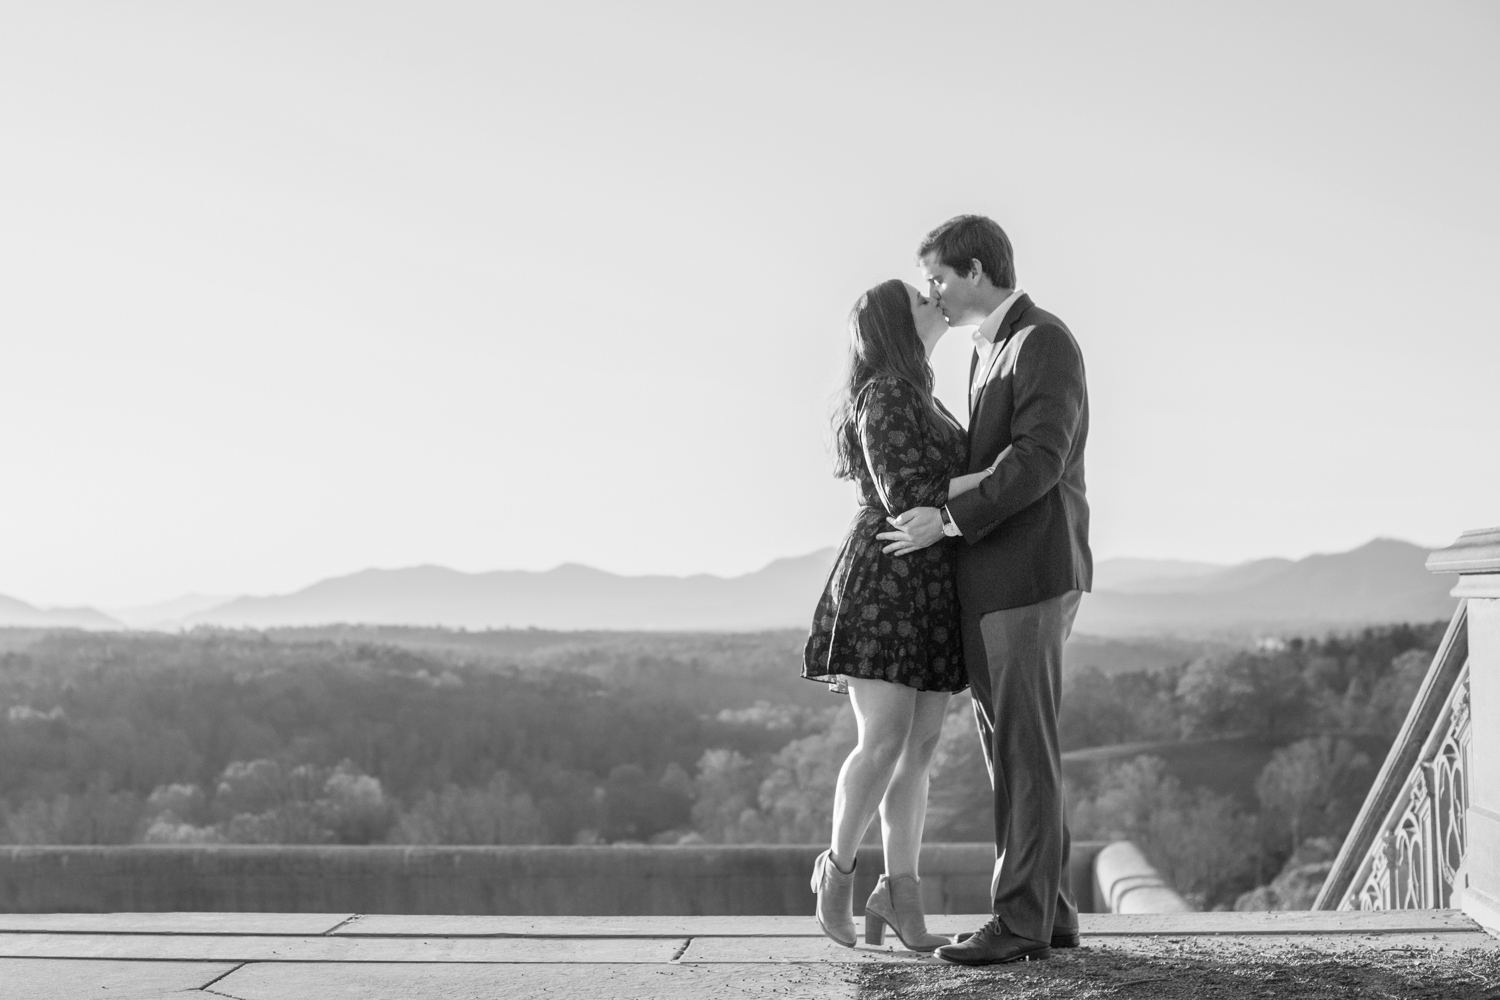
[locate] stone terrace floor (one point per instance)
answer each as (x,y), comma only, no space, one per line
(272,956)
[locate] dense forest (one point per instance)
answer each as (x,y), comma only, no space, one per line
(424,736)
(1319,713)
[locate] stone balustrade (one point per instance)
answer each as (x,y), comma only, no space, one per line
(1125,882)
(536,881)
(1428,835)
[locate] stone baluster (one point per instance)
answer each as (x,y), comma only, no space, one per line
(1476,557)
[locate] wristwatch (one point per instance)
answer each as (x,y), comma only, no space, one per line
(949,528)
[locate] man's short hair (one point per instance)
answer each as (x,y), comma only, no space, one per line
(964,239)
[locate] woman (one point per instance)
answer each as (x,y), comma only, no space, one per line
(887,629)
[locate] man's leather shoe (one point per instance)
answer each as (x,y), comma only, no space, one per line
(1060,939)
(992,944)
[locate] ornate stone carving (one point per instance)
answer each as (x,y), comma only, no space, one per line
(1412,864)
(1375,893)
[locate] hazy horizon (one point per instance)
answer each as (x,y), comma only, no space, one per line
(295,289)
(199,600)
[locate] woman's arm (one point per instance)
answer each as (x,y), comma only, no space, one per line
(959,485)
(963,484)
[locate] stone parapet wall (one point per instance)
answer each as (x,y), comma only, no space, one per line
(539,881)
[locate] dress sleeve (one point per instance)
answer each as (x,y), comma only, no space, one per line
(907,466)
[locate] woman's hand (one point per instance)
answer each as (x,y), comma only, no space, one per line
(915,529)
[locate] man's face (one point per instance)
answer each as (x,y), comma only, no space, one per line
(954,293)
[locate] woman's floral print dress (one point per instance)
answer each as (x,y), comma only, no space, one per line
(885,617)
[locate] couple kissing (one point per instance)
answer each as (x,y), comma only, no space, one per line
(963,568)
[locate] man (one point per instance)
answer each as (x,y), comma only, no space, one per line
(1022,569)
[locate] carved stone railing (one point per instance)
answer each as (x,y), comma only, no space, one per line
(1408,839)
(1413,845)
(1415,863)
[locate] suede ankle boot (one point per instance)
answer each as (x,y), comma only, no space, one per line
(835,891)
(897,903)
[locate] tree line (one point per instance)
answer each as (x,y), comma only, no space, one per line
(251,738)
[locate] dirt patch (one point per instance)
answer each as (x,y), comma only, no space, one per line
(1190,970)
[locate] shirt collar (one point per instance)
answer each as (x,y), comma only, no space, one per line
(985,333)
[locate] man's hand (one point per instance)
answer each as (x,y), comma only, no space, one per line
(915,530)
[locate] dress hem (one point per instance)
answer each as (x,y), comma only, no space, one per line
(830,679)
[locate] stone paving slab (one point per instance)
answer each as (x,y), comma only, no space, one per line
(248,957)
(1198,968)
(1249,944)
(1281,922)
(219,948)
(782,950)
(45,979)
(390,925)
(821,950)
(290,981)
(239,924)
(1091,924)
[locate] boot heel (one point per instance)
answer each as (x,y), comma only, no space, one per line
(874,929)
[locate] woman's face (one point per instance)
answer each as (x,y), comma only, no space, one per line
(927,315)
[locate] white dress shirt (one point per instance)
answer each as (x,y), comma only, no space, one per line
(984,345)
(984,341)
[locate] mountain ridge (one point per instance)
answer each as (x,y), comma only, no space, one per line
(779,595)
(16,613)
(1381,582)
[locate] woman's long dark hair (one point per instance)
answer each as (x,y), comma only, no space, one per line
(883,341)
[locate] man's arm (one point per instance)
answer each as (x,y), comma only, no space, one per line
(923,526)
(1049,392)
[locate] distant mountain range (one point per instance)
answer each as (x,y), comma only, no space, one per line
(14,613)
(568,597)
(1381,582)
(167,614)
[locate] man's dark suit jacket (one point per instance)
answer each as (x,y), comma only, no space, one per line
(1027,525)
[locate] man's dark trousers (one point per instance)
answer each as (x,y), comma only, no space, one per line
(1015,670)
(1023,565)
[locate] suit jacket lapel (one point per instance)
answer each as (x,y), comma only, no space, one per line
(973,396)
(1002,338)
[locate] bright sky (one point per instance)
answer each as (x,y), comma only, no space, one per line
(288,290)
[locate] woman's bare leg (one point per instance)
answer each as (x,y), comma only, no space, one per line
(903,811)
(883,712)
